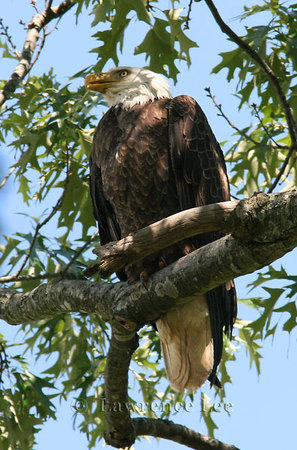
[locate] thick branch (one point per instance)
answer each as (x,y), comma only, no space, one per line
(38,22)
(119,431)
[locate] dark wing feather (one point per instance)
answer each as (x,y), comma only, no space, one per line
(109,229)
(200,173)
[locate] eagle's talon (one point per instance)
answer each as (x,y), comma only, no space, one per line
(162,263)
(143,278)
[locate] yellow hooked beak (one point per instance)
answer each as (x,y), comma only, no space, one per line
(99,82)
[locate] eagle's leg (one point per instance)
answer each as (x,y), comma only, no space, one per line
(147,271)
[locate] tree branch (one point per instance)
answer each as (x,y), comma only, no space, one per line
(267,231)
(38,22)
(4,31)
(44,222)
(282,169)
(265,129)
(37,276)
(119,431)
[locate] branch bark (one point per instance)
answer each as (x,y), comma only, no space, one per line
(38,22)
(119,431)
(178,433)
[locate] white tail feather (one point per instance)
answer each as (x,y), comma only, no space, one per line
(187,344)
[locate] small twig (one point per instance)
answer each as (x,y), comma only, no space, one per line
(241,132)
(4,363)
(54,27)
(263,125)
(33,4)
(7,176)
(63,273)
(48,5)
(54,255)
(47,275)
(103,327)
(188,17)
(5,33)
(38,276)
(80,251)
(39,49)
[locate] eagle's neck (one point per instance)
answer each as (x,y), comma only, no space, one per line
(137,95)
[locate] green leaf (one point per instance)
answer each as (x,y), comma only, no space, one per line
(292,321)
(231,61)
(11,245)
(159,50)
(207,410)
(268,304)
(6,51)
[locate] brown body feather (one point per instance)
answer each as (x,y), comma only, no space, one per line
(148,162)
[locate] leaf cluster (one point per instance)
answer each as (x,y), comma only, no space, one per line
(49,127)
(165,41)
(261,148)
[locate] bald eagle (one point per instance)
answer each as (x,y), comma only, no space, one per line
(153,156)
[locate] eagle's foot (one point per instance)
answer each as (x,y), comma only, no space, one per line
(143,278)
(162,263)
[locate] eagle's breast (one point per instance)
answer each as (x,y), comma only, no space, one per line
(134,160)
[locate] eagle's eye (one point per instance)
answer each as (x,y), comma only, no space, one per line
(123,73)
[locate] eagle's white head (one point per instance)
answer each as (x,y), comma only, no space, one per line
(128,86)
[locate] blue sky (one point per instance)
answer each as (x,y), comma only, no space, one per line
(263,409)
